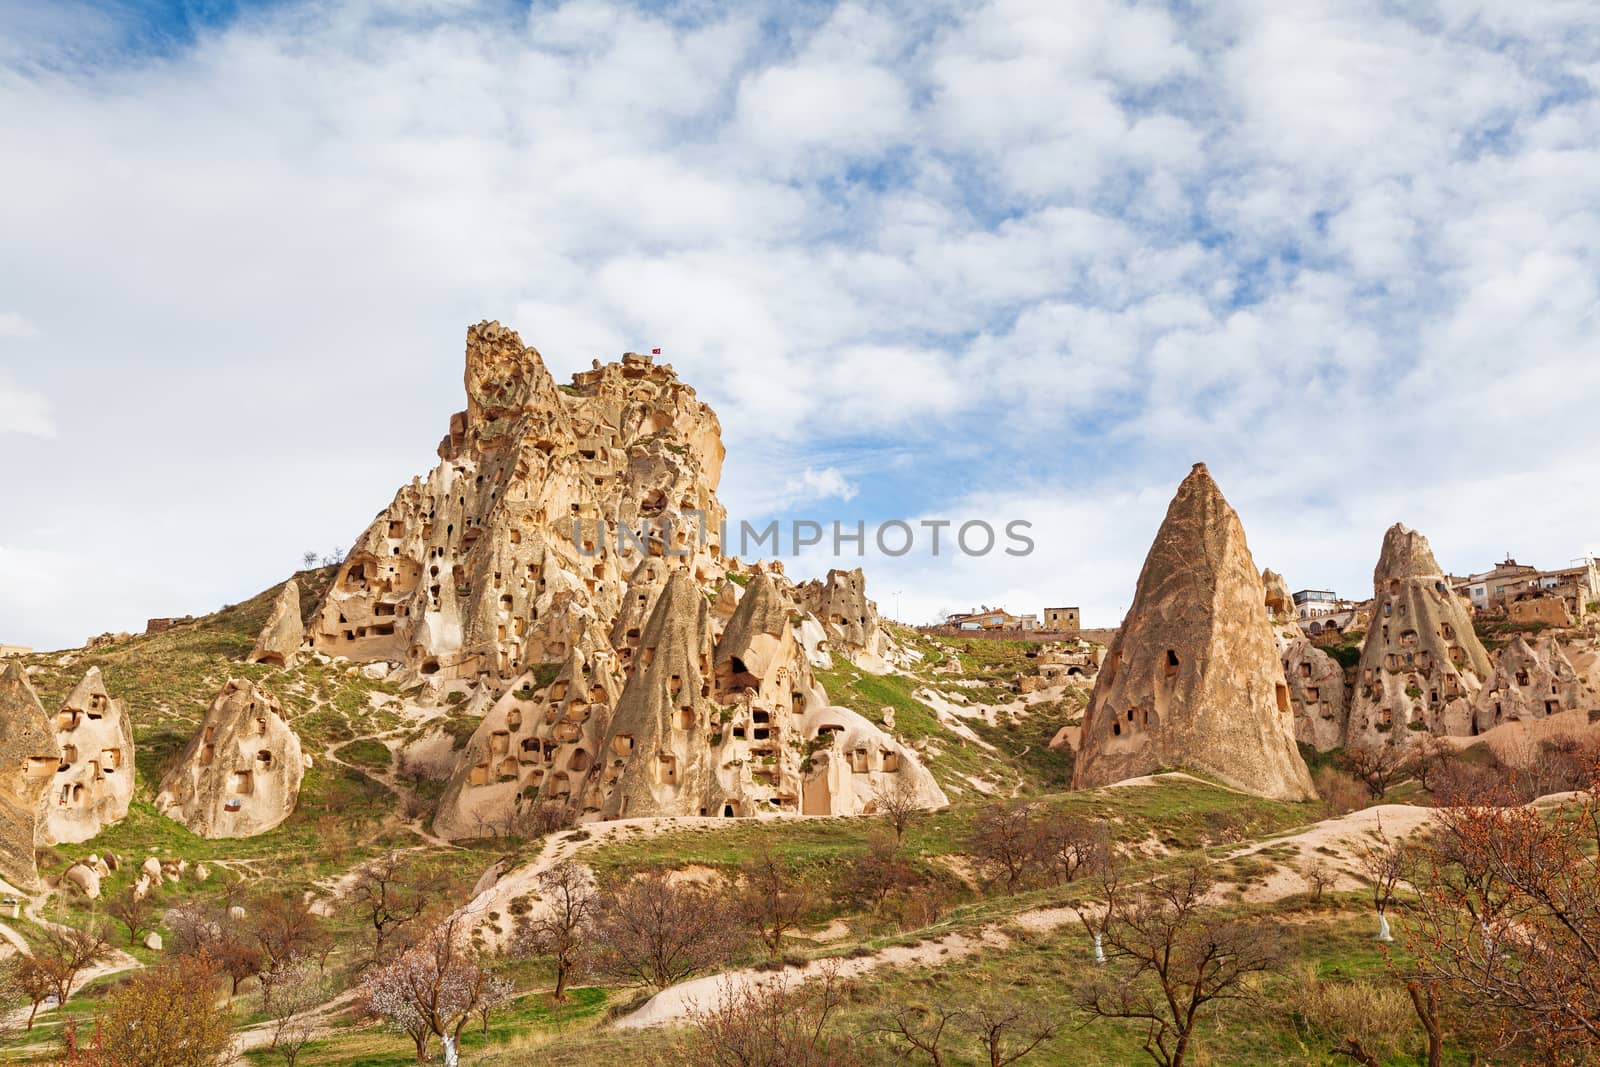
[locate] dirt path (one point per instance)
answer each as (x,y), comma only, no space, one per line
(1339,835)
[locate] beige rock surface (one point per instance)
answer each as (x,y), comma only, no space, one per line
(509,550)
(240,774)
(1422,664)
(283,634)
(1193,679)
(1531,682)
(94,781)
(29,757)
(1316,690)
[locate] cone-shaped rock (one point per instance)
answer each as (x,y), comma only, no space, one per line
(661,729)
(94,783)
(284,633)
(240,775)
(1193,677)
(29,757)
(1316,690)
(1422,665)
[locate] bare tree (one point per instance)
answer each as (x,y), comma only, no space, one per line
(1004,842)
(1383,863)
(134,911)
(658,932)
(289,991)
(308,558)
(561,929)
(775,1023)
(1007,1030)
(1071,847)
(284,927)
(899,805)
(1319,874)
(922,1028)
(433,989)
(769,899)
(1173,959)
(389,894)
(1376,768)
(878,872)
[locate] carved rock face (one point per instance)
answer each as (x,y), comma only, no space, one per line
(29,758)
(1422,664)
(283,634)
(240,774)
(1193,678)
(94,783)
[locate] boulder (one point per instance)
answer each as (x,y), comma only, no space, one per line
(83,878)
(1193,679)
(152,941)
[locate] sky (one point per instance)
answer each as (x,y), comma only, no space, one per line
(1004,261)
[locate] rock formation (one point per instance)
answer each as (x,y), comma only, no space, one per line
(1316,691)
(702,725)
(281,637)
(848,617)
(1422,664)
(92,786)
(544,498)
(1280,603)
(29,756)
(240,774)
(1531,682)
(1193,679)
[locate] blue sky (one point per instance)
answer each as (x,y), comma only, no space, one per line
(998,260)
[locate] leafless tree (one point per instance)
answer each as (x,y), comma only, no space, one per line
(35,982)
(1376,768)
(774,1023)
(389,893)
(1319,874)
(923,1028)
(1383,863)
(1004,842)
(655,931)
(1172,958)
(879,871)
(1071,847)
(1007,1030)
(134,911)
(899,805)
(308,559)
(561,929)
(769,899)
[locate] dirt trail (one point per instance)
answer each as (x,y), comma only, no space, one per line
(1341,835)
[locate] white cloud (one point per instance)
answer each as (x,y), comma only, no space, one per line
(23,411)
(1345,255)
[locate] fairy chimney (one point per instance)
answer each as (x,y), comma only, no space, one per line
(240,774)
(29,757)
(1422,664)
(94,782)
(1193,677)
(281,637)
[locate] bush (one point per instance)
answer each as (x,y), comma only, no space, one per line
(1341,793)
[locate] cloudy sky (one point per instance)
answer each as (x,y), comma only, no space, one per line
(926,259)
